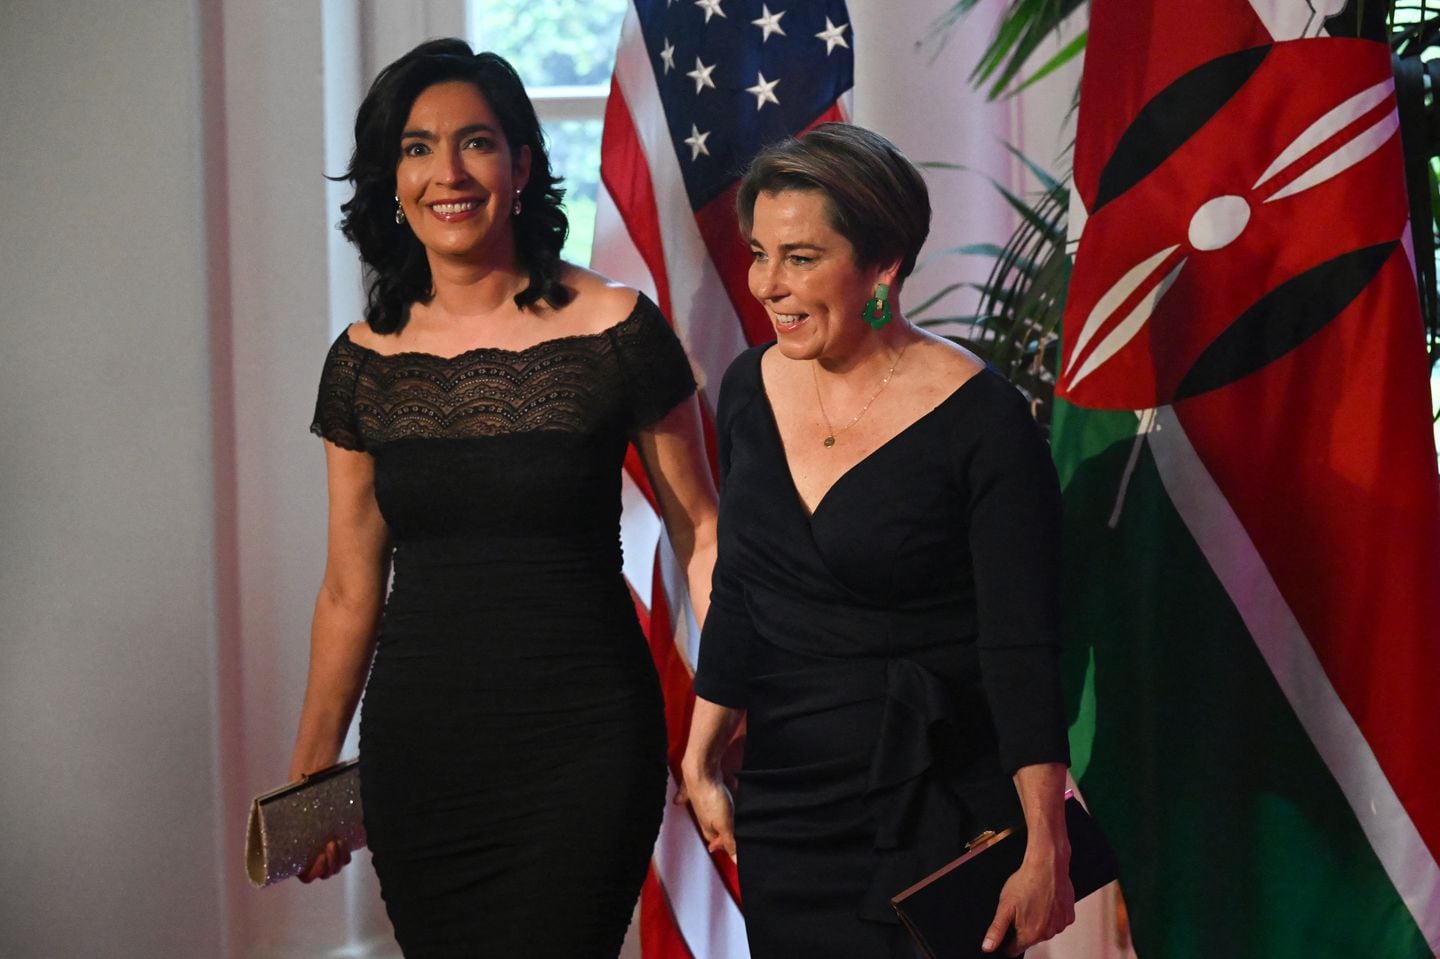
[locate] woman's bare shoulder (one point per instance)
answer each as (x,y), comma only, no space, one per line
(361,335)
(597,302)
(942,366)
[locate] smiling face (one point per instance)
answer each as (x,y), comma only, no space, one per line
(805,275)
(457,177)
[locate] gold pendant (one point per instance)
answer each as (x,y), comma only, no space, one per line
(829,442)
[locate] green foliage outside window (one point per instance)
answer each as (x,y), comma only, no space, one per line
(553,42)
(561,43)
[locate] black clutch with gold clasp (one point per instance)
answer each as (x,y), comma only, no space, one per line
(949,911)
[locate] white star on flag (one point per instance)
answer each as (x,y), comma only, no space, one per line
(711,8)
(696,142)
(667,55)
(769,22)
(701,75)
(832,35)
(764,91)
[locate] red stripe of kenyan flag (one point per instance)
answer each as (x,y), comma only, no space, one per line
(1253,523)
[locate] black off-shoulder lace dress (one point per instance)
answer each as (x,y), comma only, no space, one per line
(512,732)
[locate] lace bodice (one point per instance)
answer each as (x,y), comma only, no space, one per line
(635,370)
(505,443)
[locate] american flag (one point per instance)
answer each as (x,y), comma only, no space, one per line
(700,86)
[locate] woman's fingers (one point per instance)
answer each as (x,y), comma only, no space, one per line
(999,926)
(315,871)
(710,803)
(724,841)
(329,861)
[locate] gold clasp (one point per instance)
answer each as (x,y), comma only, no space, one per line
(985,836)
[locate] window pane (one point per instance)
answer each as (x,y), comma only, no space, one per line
(575,155)
(551,42)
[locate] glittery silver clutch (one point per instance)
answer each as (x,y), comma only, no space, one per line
(291,825)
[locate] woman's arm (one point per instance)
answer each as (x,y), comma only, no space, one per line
(712,727)
(1037,900)
(347,610)
(673,450)
(674,456)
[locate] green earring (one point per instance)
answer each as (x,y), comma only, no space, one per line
(877,310)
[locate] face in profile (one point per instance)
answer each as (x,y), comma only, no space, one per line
(457,175)
(805,275)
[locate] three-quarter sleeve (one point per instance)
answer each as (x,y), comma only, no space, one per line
(653,365)
(335,418)
(722,673)
(1015,535)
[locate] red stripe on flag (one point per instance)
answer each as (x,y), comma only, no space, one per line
(636,468)
(675,678)
(731,254)
(677,685)
(626,175)
(659,935)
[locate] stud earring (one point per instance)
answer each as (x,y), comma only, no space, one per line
(515,210)
(399,212)
(877,310)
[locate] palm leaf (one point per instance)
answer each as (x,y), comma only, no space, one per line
(1067,53)
(937,297)
(1024,27)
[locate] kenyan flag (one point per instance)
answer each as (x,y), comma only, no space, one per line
(1253,513)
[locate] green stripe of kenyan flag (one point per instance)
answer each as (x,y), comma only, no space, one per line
(1234,837)
(1253,515)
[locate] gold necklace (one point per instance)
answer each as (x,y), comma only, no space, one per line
(830,431)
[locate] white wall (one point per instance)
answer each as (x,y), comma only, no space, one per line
(912,88)
(171,283)
(108,827)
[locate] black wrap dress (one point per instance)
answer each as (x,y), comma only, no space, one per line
(896,652)
(512,737)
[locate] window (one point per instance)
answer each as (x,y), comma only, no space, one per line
(564,50)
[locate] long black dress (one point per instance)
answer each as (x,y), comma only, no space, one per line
(512,736)
(896,651)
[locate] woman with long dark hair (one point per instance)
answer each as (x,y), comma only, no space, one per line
(512,740)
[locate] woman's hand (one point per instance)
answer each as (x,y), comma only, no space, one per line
(336,854)
(714,810)
(1037,902)
(331,860)
(712,733)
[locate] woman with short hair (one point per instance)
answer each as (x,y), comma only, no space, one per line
(884,611)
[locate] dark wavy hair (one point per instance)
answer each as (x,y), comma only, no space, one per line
(398,271)
(874,195)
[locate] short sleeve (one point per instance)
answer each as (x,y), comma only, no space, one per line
(653,364)
(335,405)
(1015,530)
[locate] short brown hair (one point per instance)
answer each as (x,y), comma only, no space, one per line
(875,196)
